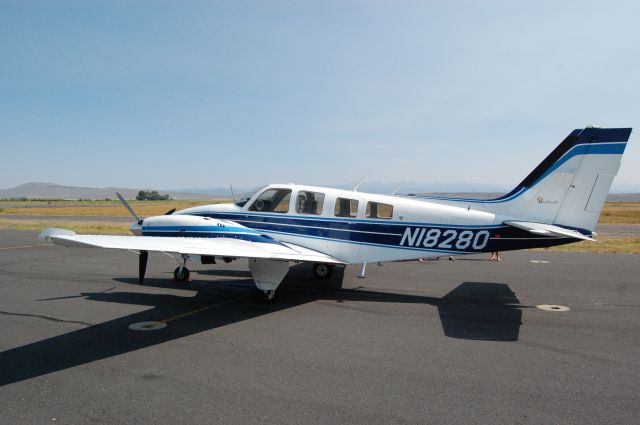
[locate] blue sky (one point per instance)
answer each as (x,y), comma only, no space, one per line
(204,94)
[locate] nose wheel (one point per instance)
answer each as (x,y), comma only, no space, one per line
(181,274)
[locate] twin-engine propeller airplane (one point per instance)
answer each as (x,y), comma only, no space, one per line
(558,203)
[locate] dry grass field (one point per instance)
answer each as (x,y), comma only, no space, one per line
(89,228)
(96,208)
(620,213)
(604,245)
(624,213)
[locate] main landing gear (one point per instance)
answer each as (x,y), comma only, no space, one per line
(268,297)
(323,271)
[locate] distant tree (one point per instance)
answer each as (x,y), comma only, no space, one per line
(153,195)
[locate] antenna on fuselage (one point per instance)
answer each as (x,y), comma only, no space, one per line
(233,197)
(397,188)
(357,185)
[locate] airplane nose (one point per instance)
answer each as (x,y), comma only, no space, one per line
(136,229)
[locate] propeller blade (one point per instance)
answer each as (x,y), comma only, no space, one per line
(142,265)
(171,211)
(127,206)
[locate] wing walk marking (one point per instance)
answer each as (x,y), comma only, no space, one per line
(199,310)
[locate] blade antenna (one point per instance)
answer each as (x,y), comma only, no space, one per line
(357,185)
(127,206)
(233,197)
(397,188)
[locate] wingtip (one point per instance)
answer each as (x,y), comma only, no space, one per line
(47,233)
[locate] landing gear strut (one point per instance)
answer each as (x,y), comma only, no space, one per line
(181,273)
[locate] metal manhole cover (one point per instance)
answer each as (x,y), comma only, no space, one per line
(147,326)
(552,307)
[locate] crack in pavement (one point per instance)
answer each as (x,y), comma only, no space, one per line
(52,319)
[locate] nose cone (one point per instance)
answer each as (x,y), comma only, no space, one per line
(136,229)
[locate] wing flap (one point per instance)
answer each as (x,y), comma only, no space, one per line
(548,230)
(222,247)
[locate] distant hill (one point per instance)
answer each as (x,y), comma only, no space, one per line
(39,190)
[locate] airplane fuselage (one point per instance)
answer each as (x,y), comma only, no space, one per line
(377,228)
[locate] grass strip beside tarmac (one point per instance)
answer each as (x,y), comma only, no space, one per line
(603,245)
(110,209)
(613,213)
(87,228)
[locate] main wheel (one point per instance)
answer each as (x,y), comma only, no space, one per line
(181,274)
(322,271)
(268,297)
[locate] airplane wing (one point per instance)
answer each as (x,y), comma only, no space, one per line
(547,230)
(219,247)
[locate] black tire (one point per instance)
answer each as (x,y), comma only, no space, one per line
(181,275)
(323,271)
(267,298)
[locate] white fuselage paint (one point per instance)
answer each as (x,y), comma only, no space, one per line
(451,229)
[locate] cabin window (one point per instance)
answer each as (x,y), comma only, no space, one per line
(346,207)
(272,200)
(379,210)
(309,202)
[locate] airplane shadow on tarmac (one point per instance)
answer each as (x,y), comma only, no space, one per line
(473,310)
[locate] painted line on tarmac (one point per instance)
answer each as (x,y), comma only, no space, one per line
(157,325)
(199,310)
(25,246)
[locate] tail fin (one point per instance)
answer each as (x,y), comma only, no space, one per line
(570,186)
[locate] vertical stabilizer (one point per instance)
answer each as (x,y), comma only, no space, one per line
(570,186)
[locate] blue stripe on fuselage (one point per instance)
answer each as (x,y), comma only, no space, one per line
(390,235)
(208,232)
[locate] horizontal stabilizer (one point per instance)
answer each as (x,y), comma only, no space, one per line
(548,230)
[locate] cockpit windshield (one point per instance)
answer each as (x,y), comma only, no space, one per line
(272,200)
(242,202)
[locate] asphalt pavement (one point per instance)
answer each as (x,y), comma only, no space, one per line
(415,342)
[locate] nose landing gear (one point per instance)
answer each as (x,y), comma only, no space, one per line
(181,273)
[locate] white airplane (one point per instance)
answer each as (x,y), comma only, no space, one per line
(558,203)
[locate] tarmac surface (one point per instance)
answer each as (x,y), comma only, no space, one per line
(415,342)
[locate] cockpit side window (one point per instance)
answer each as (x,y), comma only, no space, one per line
(346,207)
(379,210)
(272,200)
(309,202)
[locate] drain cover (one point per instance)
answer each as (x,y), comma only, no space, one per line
(147,326)
(552,307)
